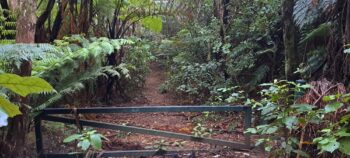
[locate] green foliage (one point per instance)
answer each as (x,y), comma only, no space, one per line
(9,108)
(196,81)
(228,95)
(153,23)
(86,140)
(24,85)
(160,145)
(21,86)
(321,31)
(200,131)
(335,136)
(189,56)
(143,12)
(14,54)
(79,62)
(242,52)
(315,61)
(285,117)
(307,11)
(137,63)
(7,27)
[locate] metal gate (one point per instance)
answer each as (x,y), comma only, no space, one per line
(49,115)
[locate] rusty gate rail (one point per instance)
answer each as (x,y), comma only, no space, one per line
(49,115)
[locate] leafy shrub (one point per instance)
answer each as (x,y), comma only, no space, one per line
(87,139)
(285,119)
(196,80)
(137,61)
(229,95)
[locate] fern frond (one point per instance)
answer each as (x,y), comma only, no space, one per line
(258,75)
(320,32)
(306,11)
(17,52)
(315,59)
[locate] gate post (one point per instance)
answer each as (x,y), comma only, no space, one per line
(38,136)
(247,124)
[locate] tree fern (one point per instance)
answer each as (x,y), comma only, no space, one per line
(315,61)
(19,52)
(321,31)
(306,11)
(7,27)
(71,85)
(80,62)
(257,76)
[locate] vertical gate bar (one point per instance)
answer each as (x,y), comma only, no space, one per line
(38,137)
(247,124)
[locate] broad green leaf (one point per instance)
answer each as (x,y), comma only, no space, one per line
(72,138)
(331,146)
(3,118)
(333,107)
(96,141)
(342,133)
(290,122)
(345,145)
(24,85)
(268,148)
(85,144)
(9,108)
(318,139)
(329,98)
(327,144)
(153,23)
(259,142)
(305,86)
(324,141)
(251,130)
(303,107)
(268,108)
(270,130)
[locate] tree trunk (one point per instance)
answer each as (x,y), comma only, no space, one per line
(347,24)
(26,20)
(84,16)
(40,33)
(291,56)
(62,5)
(18,126)
(226,11)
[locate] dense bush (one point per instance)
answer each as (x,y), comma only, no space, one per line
(292,127)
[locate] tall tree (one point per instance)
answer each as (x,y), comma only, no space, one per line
(40,35)
(290,49)
(347,25)
(18,126)
(26,20)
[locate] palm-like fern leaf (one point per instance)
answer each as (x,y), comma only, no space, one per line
(306,11)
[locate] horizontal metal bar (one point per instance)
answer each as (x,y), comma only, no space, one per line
(76,155)
(231,144)
(128,153)
(145,109)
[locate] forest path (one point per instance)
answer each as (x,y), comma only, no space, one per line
(155,78)
(174,122)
